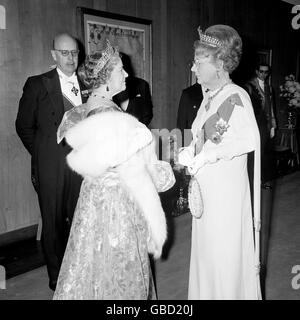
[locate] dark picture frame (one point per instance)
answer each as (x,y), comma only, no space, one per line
(133,37)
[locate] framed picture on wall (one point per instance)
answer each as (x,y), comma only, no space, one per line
(130,34)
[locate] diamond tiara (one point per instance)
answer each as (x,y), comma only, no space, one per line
(211,41)
(106,55)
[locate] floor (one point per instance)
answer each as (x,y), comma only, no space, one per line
(172,270)
(21,257)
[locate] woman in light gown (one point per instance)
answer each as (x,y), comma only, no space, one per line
(224,261)
(118,220)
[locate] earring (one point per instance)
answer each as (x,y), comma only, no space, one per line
(218,75)
(107,88)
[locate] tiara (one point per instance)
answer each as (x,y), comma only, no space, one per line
(105,56)
(211,41)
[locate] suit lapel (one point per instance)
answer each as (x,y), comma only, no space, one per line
(267,89)
(130,106)
(52,84)
(260,90)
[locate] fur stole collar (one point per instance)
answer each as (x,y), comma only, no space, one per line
(119,140)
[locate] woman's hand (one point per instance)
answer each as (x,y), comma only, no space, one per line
(197,163)
(185,157)
(201,159)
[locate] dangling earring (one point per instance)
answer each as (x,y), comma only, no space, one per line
(218,74)
(107,88)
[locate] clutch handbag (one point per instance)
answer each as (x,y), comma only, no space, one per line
(195,198)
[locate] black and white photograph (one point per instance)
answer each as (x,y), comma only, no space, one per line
(150,151)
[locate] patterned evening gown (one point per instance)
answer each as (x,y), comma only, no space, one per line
(107,255)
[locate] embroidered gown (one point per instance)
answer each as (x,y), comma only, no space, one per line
(224,259)
(107,252)
(106,256)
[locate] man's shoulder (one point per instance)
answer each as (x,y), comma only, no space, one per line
(38,77)
(195,87)
(135,82)
(251,86)
(37,80)
(193,91)
(252,81)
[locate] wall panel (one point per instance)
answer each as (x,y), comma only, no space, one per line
(25,50)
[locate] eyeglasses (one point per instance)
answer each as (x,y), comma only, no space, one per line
(198,60)
(65,53)
(263,71)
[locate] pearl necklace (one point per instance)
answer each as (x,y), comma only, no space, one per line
(210,98)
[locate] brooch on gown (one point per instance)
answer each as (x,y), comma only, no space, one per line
(221,126)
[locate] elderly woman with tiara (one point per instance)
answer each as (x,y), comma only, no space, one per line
(104,76)
(119,219)
(224,261)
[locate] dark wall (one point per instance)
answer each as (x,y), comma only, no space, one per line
(262,24)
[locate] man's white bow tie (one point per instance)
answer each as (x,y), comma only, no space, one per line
(72,79)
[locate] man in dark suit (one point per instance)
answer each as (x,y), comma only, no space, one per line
(262,98)
(136,98)
(189,104)
(45,99)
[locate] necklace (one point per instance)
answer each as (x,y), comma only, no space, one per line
(97,101)
(210,98)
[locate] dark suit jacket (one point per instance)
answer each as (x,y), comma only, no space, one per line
(41,109)
(189,104)
(263,114)
(140,102)
(40,112)
(263,107)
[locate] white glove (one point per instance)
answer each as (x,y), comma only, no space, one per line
(185,157)
(209,156)
(198,162)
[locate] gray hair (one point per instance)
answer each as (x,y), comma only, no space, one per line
(229,51)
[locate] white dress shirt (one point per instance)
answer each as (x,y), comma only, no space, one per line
(70,87)
(261,84)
